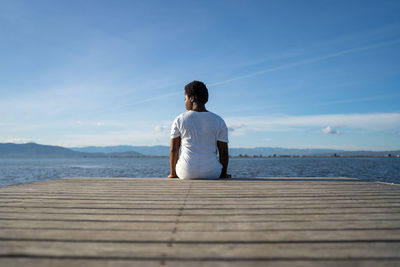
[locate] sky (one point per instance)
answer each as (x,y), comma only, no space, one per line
(285,73)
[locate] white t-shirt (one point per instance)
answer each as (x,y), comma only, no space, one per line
(199,132)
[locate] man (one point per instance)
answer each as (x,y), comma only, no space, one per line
(199,134)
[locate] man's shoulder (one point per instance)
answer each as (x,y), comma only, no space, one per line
(216,117)
(211,115)
(181,117)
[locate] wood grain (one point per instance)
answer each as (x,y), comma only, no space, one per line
(235,222)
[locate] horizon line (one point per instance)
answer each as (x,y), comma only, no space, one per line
(256,147)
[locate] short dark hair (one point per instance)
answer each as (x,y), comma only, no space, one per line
(198,90)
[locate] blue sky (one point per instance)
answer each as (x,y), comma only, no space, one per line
(295,74)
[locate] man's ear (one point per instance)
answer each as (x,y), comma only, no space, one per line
(191,98)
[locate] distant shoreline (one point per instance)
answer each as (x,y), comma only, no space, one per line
(33,150)
(232,157)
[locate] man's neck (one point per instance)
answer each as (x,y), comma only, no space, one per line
(199,107)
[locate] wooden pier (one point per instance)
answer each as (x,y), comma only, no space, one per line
(233,222)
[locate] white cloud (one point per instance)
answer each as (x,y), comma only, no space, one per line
(329,130)
(371,121)
(234,127)
(161,128)
(18,140)
(110,124)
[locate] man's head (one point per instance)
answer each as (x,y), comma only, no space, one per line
(198,91)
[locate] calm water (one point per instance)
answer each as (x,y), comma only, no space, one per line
(17,171)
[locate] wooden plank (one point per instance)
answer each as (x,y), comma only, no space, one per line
(202,218)
(276,262)
(204,250)
(207,212)
(297,221)
(213,227)
(389,235)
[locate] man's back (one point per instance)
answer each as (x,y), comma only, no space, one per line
(199,132)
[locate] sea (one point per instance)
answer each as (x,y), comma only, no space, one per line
(27,170)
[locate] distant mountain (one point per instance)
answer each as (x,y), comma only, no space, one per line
(10,150)
(164,150)
(144,150)
(264,151)
(123,154)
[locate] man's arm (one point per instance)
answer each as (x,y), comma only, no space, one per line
(223,158)
(174,155)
